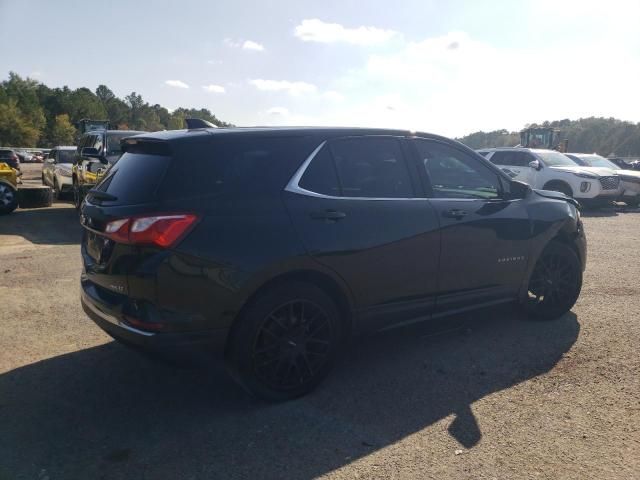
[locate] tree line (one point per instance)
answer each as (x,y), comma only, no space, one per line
(32,114)
(605,136)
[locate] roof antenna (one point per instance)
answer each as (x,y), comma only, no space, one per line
(198,123)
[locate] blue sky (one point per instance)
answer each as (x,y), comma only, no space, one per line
(444,67)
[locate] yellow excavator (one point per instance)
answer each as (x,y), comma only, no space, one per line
(543,137)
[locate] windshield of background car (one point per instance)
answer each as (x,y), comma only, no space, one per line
(66,156)
(113,143)
(598,161)
(556,159)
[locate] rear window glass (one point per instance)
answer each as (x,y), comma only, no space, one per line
(135,178)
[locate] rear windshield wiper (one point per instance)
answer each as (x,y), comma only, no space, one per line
(98,195)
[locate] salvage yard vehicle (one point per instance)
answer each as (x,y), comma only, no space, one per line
(97,151)
(630,179)
(552,170)
(8,188)
(57,170)
(269,247)
(10,157)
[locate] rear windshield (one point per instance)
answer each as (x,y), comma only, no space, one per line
(135,178)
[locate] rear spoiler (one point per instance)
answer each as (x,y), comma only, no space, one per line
(145,145)
(193,123)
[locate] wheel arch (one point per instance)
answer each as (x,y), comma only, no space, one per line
(561,183)
(332,287)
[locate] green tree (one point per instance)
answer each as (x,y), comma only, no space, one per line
(16,129)
(62,132)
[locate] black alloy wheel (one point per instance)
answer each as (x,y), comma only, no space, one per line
(554,285)
(292,345)
(284,342)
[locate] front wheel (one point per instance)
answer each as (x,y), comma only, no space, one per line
(285,341)
(8,199)
(77,198)
(555,283)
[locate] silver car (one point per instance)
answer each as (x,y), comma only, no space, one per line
(56,170)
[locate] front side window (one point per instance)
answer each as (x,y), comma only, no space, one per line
(454,174)
(371,167)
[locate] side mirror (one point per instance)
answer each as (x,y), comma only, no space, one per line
(535,164)
(519,189)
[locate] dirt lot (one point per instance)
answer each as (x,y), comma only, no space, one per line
(500,398)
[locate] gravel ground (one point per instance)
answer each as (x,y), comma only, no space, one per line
(498,398)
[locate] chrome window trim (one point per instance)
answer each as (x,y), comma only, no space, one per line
(294,184)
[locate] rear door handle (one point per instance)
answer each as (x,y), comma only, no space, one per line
(330,215)
(455,213)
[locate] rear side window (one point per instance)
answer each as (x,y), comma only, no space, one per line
(135,178)
(239,164)
(512,159)
(320,176)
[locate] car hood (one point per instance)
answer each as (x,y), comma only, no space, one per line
(630,175)
(557,196)
(595,171)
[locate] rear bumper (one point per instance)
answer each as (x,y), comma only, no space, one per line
(199,346)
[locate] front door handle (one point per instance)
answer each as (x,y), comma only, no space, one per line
(329,215)
(455,213)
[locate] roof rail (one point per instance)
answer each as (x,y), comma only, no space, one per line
(198,123)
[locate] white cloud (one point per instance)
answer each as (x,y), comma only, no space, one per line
(176,83)
(214,62)
(315,30)
(213,88)
(245,45)
(333,96)
(278,111)
(293,88)
(455,84)
(251,45)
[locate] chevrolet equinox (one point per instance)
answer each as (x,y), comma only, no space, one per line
(268,247)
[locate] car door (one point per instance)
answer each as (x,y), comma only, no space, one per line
(359,212)
(485,237)
(515,164)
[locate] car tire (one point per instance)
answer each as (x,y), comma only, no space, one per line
(555,283)
(35,197)
(57,193)
(8,198)
(77,200)
(285,341)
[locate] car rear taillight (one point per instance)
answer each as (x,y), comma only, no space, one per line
(160,230)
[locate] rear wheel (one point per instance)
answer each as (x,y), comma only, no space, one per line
(8,199)
(555,283)
(285,341)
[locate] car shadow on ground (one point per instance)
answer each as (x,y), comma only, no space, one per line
(106,412)
(57,225)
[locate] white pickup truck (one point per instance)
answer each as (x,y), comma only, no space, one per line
(551,170)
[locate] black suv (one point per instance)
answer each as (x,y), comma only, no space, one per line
(97,151)
(270,246)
